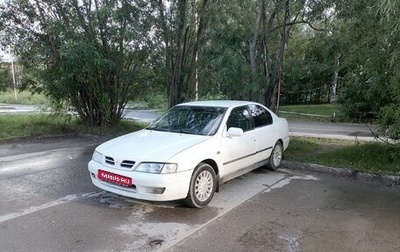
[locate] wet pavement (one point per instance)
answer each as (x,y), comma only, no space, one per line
(328,214)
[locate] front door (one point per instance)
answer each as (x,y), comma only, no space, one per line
(239,152)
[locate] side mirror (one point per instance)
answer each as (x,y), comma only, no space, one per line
(234,132)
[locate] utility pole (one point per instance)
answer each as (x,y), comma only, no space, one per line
(15,84)
(7,55)
(14,80)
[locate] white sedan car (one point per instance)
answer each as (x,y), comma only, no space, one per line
(190,151)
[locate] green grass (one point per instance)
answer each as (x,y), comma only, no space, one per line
(24,97)
(318,109)
(32,125)
(312,112)
(362,156)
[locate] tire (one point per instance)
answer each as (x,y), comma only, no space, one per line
(202,186)
(275,160)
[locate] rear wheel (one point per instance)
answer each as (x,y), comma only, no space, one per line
(275,160)
(202,186)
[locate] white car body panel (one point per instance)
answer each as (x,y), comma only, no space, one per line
(174,184)
(237,153)
(140,146)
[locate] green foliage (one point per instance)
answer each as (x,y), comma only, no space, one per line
(371,78)
(5,77)
(224,57)
(89,55)
(210,96)
(309,68)
(354,98)
(156,101)
(390,121)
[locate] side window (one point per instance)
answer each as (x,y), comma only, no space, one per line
(239,118)
(260,116)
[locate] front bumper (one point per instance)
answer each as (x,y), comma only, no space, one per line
(146,186)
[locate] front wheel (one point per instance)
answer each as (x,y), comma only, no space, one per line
(275,159)
(202,186)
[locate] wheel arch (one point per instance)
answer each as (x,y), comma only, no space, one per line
(214,165)
(280,140)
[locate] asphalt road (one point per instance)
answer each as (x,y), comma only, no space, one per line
(49,204)
(332,130)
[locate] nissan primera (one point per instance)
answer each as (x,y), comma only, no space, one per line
(189,151)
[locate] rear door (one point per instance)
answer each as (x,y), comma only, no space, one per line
(264,131)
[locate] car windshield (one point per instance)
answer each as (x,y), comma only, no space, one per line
(190,120)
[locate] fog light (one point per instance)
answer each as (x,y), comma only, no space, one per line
(158,190)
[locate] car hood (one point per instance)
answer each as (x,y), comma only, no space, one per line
(149,145)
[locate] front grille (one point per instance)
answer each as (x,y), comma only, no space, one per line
(123,164)
(127,163)
(110,160)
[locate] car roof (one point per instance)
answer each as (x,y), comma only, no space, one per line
(218,103)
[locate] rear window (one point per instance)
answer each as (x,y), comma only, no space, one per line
(261,116)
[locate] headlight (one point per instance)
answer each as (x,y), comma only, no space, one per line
(97,157)
(157,167)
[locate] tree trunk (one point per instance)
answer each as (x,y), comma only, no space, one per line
(274,100)
(196,53)
(333,89)
(285,37)
(174,86)
(254,39)
(182,49)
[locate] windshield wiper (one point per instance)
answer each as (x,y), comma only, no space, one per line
(185,131)
(157,129)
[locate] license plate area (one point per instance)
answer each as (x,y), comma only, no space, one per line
(114,178)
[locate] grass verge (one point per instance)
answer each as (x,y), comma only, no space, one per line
(312,112)
(33,125)
(23,97)
(362,156)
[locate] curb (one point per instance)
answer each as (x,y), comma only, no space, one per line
(333,136)
(387,180)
